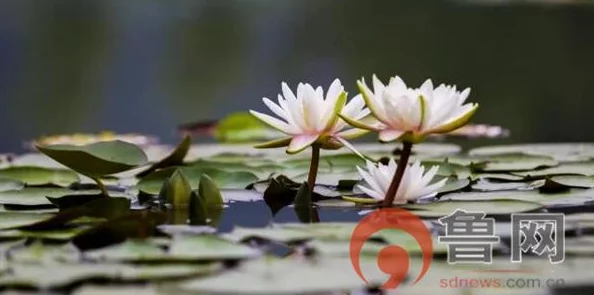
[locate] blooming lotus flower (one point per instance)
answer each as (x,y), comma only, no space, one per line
(414,184)
(411,114)
(310,117)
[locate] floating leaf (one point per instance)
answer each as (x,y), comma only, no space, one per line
(323,275)
(10,185)
(558,151)
(40,176)
(133,225)
(504,186)
(36,196)
(207,248)
(110,207)
(41,253)
(493,207)
(69,201)
(516,162)
(97,159)
(452,185)
(129,251)
(574,181)
(10,220)
(176,190)
(584,168)
(176,157)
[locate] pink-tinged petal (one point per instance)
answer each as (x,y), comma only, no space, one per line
(275,123)
(301,142)
(427,86)
(287,92)
(276,109)
(334,90)
(389,135)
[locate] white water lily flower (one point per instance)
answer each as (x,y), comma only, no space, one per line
(411,114)
(308,117)
(415,181)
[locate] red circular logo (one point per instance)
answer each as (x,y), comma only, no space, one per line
(392,260)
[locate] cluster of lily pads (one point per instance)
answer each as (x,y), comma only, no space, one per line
(113,216)
(141,236)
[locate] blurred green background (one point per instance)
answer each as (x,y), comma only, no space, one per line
(145,66)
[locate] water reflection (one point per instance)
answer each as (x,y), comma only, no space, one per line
(144,66)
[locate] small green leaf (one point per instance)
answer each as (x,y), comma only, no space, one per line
(208,190)
(152,183)
(97,159)
(303,197)
(176,157)
(176,190)
(40,176)
(197,210)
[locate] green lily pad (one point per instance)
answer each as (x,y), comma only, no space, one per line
(129,251)
(505,186)
(152,183)
(558,151)
(39,175)
(45,276)
(7,184)
(515,162)
(583,168)
(209,247)
(574,197)
(37,196)
(54,235)
(498,176)
(452,185)
(492,207)
(10,220)
(40,253)
(97,159)
(289,276)
(574,181)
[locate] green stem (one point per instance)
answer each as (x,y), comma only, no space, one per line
(402,162)
(101,186)
(312,176)
(313,166)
